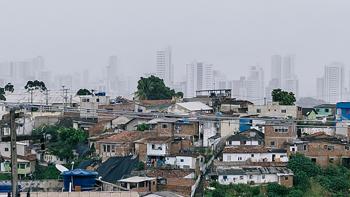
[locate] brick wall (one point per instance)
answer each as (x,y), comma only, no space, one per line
(286,181)
(279,138)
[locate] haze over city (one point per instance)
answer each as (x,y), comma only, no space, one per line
(231,35)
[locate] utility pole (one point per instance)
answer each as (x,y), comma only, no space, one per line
(13,153)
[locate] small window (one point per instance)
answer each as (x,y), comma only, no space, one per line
(305,147)
(239,158)
(244,142)
(347,147)
(97,100)
(258,110)
(153,146)
(286,178)
(272,143)
(164,126)
(241,177)
(252,155)
(293,149)
(313,160)
(263,176)
(181,160)
(326,110)
(6,149)
(331,160)
(250,176)
(284,111)
(225,177)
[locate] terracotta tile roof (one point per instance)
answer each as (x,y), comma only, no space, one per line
(252,149)
(125,136)
(182,182)
(169,173)
(161,139)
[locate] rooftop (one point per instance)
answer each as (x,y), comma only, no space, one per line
(255,171)
(195,106)
(136,179)
(125,136)
(252,149)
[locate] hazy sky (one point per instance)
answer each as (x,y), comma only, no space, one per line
(232,35)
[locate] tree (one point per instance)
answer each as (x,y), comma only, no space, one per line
(283,97)
(83,92)
(2,94)
(153,88)
(9,87)
(34,85)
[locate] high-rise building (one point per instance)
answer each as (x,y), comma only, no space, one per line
(290,81)
(334,82)
(276,71)
(320,88)
(164,66)
(238,88)
(255,85)
(199,76)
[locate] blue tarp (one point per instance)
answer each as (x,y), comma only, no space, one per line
(83,178)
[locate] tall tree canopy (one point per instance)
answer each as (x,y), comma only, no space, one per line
(2,94)
(83,92)
(283,97)
(153,88)
(9,87)
(35,85)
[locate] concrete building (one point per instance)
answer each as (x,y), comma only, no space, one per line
(333,89)
(256,176)
(199,76)
(255,85)
(275,110)
(164,66)
(253,154)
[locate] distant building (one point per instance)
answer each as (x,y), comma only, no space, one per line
(333,83)
(199,76)
(275,110)
(164,66)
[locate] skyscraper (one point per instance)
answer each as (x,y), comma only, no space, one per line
(112,74)
(276,71)
(255,85)
(334,82)
(290,81)
(199,76)
(164,66)
(320,88)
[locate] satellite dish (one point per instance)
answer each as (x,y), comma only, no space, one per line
(61,168)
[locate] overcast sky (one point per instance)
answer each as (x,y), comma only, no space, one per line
(232,35)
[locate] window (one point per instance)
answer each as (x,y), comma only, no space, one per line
(286,178)
(98,100)
(326,110)
(252,155)
(104,148)
(284,111)
(347,147)
(181,160)
(241,177)
(142,184)
(108,148)
(263,176)
(244,142)
(239,158)
(313,160)
(293,149)
(225,178)
(331,160)
(272,143)
(153,146)
(6,149)
(258,110)
(164,126)
(281,129)
(228,157)
(250,176)
(113,148)
(330,147)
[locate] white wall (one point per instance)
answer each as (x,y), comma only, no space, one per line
(158,150)
(246,179)
(229,127)
(258,157)
(21,149)
(274,110)
(209,130)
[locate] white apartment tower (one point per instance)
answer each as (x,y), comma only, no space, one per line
(199,76)
(334,82)
(255,85)
(164,66)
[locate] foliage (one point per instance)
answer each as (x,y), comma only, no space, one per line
(143,127)
(5,176)
(234,190)
(276,190)
(35,85)
(9,87)
(283,97)
(299,162)
(140,165)
(45,172)
(335,179)
(62,140)
(153,88)
(82,92)
(2,94)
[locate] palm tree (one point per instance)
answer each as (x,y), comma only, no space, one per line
(143,88)
(9,87)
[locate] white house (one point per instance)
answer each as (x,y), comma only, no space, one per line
(189,107)
(256,175)
(207,130)
(275,110)
(89,104)
(251,137)
(158,146)
(22,149)
(254,154)
(186,161)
